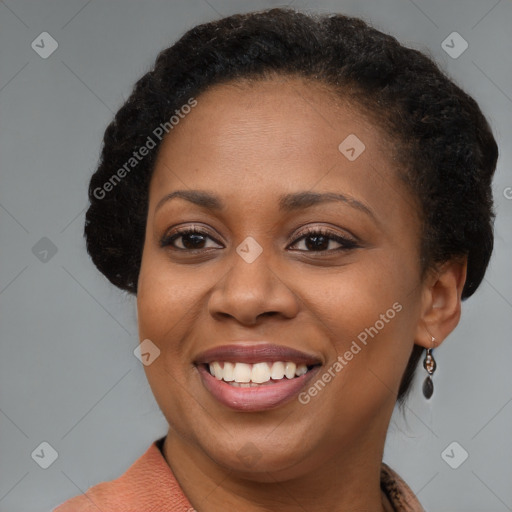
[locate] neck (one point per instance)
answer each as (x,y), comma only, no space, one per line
(346,480)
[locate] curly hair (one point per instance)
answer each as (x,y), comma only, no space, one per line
(444,145)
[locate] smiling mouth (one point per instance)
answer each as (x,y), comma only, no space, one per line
(257,376)
(247,375)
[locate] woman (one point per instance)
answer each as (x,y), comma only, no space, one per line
(299,204)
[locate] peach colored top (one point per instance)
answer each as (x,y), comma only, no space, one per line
(149,485)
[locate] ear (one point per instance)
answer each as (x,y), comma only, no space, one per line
(441,303)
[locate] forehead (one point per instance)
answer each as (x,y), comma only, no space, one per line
(273,136)
(288,117)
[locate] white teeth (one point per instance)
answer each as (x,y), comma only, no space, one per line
(301,370)
(289,370)
(242,372)
(217,370)
(277,372)
(228,374)
(260,373)
(248,375)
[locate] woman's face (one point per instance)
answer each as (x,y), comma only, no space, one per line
(305,251)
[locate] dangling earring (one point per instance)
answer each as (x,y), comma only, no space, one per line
(429,364)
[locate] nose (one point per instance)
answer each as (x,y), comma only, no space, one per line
(249,291)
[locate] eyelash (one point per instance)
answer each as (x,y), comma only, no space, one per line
(346,243)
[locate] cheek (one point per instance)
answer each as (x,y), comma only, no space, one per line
(368,312)
(356,295)
(166,297)
(165,304)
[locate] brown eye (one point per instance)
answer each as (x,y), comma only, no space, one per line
(318,240)
(190,239)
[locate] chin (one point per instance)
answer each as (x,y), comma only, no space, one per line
(263,459)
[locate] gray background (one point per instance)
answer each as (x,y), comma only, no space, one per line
(68,375)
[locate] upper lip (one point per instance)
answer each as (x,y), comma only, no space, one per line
(255,353)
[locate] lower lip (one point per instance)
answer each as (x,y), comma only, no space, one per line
(261,398)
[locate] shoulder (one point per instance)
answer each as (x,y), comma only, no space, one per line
(398,492)
(148,484)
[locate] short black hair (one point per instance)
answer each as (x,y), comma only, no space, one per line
(444,144)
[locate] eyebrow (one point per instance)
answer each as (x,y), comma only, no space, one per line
(287,203)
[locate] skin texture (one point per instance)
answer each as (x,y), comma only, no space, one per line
(249,144)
